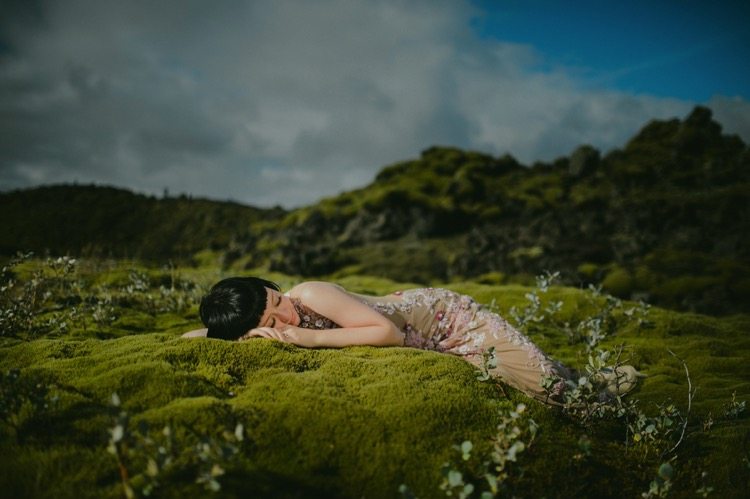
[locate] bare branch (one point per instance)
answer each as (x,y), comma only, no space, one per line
(691,393)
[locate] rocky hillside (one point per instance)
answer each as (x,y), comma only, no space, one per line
(666,218)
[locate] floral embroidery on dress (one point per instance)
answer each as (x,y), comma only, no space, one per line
(457,324)
(450,314)
(412,338)
(500,325)
(310,319)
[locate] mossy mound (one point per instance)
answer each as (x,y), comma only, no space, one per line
(354,422)
(361,421)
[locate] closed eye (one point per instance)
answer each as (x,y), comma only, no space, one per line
(273,320)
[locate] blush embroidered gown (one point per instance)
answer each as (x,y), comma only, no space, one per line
(444,321)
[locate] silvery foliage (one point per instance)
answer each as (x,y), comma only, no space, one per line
(37,305)
(534,312)
(146,459)
(515,434)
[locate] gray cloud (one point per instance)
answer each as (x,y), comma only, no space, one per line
(282,102)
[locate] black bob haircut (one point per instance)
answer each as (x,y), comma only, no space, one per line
(234,306)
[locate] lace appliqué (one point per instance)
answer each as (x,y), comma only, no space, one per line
(458,325)
(502,328)
(448,319)
(310,319)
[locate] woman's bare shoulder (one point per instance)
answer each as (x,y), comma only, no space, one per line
(311,287)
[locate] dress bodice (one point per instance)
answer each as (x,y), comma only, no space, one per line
(310,319)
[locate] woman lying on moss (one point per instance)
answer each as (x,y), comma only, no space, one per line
(320,314)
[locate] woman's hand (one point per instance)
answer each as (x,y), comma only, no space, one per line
(287,334)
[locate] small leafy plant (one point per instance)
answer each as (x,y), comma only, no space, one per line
(140,293)
(27,308)
(21,398)
(584,397)
(654,433)
(608,318)
(704,490)
(489,362)
(515,434)
(534,312)
(50,297)
(662,484)
(734,407)
(147,459)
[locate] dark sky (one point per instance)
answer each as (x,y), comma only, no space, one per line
(283,102)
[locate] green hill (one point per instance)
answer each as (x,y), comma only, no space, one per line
(666,219)
(112,222)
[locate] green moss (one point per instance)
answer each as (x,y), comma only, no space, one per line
(339,407)
(619,282)
(423,261)
(491,278)
(644,277)
(360,421)
(530,253)
(588,270)
(208,258)
(685,285)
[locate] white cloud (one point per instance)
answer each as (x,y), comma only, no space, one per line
(283,102)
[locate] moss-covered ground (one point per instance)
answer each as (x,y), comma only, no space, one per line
(360,421)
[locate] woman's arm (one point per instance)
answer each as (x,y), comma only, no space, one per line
(360,325)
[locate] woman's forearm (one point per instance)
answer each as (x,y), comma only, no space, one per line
(377,336)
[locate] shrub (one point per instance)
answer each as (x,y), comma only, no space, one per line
(618,282)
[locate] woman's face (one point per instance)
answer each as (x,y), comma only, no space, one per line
(279,311)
